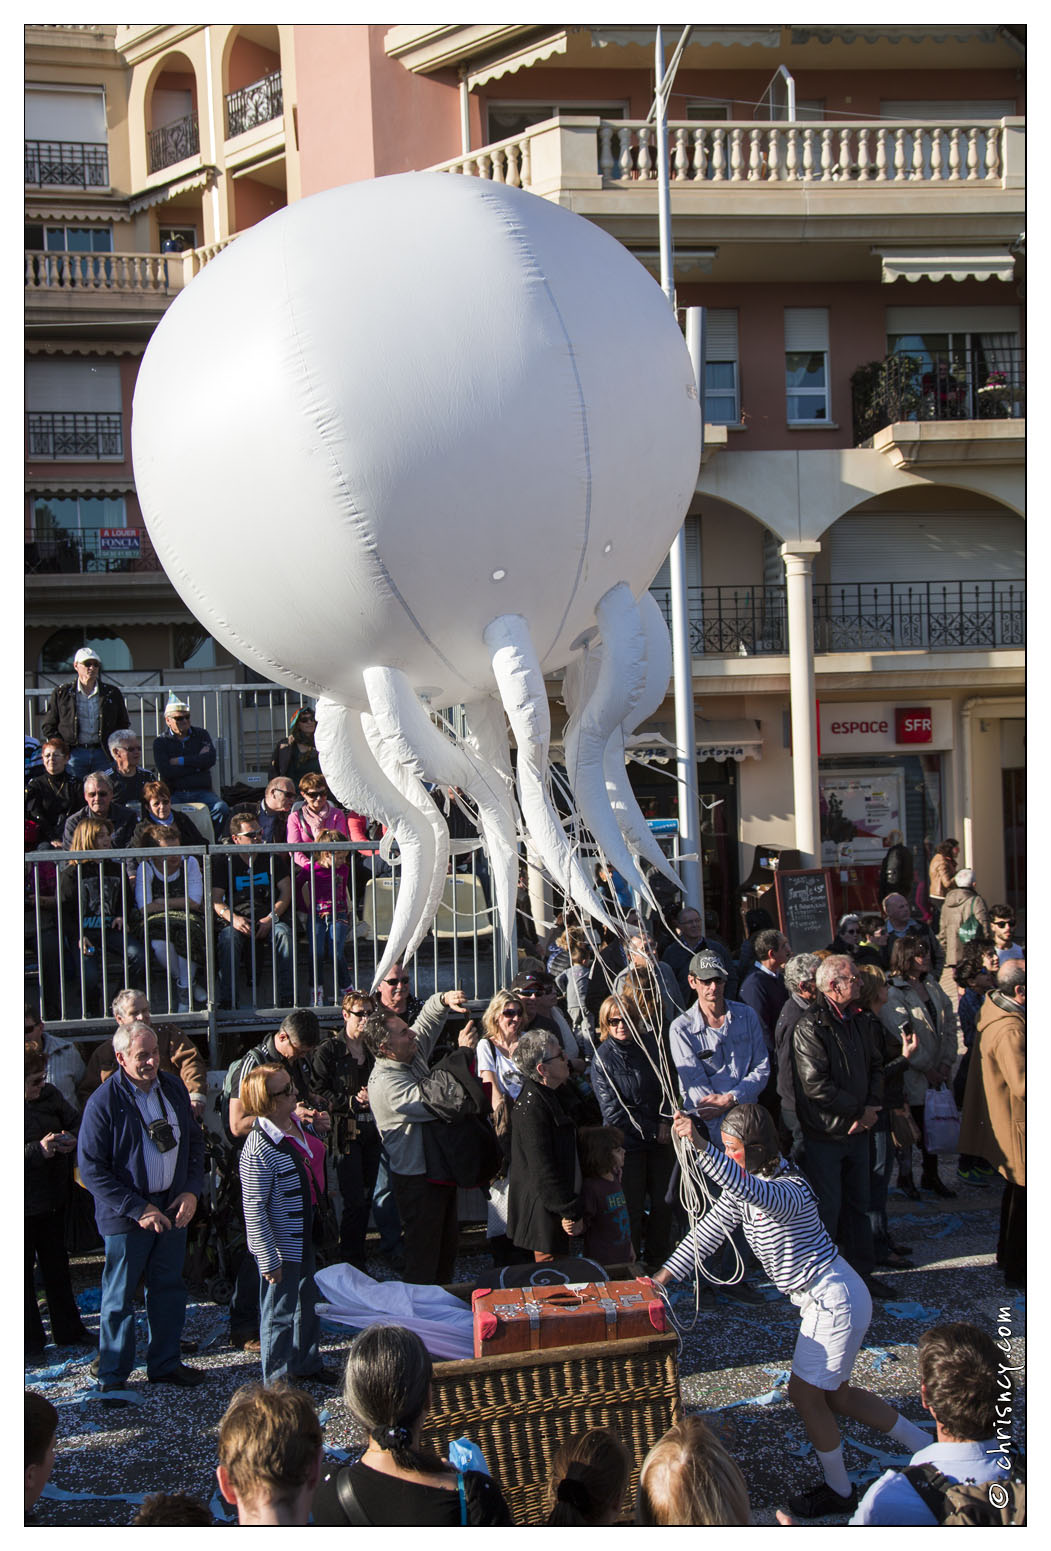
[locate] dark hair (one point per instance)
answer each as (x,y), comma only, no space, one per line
(269,1440)
(153,789)
(589,1476)
(767,941)
(302,1028)
(871,921)
(1001,913)
(168,1509)
(946,848)
(41,1427)
(55,742)
(387,1387)
(597,1145)
(156,835)
(958,1366)
(755,920)
(903,951)
(374,1032)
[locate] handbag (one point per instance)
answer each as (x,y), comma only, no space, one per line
(903,1129)
(941,1121)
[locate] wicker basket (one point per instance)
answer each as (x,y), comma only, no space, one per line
(519,1408)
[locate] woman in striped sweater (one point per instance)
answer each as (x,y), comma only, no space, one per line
(778,1212)
(282,1180)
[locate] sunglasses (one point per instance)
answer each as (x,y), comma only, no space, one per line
(615,1022)
(1003,923)
(182,717)
(249,834)
(358,1012)
(397,980)
(279,1093)
(511,1012)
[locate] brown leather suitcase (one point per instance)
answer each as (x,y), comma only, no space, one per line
(531,1319)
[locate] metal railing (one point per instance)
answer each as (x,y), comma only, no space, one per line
(66,164)
(90,549)
(964,385)
(255,104)
(918,616)
(77,958)
(57,434)
(733,621)
(173,142)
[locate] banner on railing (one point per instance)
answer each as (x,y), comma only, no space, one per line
(120,541)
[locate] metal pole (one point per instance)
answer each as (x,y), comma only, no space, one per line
(682,666)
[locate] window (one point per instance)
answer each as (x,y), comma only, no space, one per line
(60,649)
(83,240)
(806,365)
(721,402)
(176,239)
(74,409)
(959,363)
(505,119)
(69,239)
(80,532)
(65,137)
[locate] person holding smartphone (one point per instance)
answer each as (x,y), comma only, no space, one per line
(50,1126)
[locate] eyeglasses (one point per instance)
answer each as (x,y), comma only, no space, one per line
(511,1012)
(849,931)
(279,1093)
(132,748)
(615,1022)
(558,1055)
(397,980)
(181,716)
(358,1012)
(249,834)
(1003,923)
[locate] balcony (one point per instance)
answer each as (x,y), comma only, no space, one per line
(935,387)
(90,549)
(173,142)
(748,621)
(129,273)
(255,104)
(66,164)
(57,435)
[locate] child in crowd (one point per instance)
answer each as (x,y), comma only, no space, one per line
(689,1477)
(607,1228)
(270,1454)
(778,1211)
(41,1430)
(165,1510)
(323,895)
(589,1476)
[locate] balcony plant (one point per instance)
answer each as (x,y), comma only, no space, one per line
(884,392)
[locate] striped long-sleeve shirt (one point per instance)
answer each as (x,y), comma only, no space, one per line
(779,1217)
(277,1206)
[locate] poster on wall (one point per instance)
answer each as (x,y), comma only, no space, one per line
(862,815)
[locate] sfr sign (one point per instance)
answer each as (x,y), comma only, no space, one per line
(913,724)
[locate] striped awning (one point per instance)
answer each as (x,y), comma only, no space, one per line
(955,264)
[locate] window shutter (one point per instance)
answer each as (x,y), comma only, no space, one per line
(806,329)
(70,387)
(66,114)
(720,340)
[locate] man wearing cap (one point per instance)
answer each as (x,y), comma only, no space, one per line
(85,713)
(964,909)
(721,1058)
(183,756)
(718,1047)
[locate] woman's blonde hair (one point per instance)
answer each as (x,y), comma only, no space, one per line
(491,1016)
(634,1005)
(870,978)
(689,1477)
(256,1098)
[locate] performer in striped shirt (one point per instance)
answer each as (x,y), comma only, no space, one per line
(778,1212)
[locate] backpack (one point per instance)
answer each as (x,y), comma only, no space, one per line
(232,1083)
(970,927)
(988,1504)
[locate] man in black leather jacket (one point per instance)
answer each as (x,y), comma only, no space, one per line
(839,1090)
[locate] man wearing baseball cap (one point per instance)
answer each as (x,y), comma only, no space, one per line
(184,757)
(721,1058)
(85,712)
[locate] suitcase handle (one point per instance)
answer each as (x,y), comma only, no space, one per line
(565,1300)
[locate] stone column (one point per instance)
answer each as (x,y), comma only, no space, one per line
(798,556)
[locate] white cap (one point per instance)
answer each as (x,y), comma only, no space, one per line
(964,879)
(86,655)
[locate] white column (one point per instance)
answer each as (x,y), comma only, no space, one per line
(799,576)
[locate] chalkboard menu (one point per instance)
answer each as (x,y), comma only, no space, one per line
(804,908)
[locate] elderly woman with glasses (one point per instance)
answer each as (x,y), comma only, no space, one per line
(341,1068)
(282,1182)
(917,1002)
(626,1081)
(848,935)
(544,1202)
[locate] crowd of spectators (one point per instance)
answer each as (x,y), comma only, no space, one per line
(561,1104)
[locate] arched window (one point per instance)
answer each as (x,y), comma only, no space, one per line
(60,649)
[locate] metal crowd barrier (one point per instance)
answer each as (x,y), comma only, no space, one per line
(77,960)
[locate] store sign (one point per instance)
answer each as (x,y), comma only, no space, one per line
(862,815)
(913,724)
(883,727)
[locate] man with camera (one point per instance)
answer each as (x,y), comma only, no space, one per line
(141,1155)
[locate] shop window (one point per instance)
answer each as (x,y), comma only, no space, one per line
(60,649)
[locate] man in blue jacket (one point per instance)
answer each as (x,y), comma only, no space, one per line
(141,1155)
(184,755)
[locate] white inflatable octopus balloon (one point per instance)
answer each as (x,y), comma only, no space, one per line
(419,441)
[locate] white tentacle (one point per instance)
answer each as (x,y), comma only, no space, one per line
(405,776)
(600,695)
(356,779)
(626,810)
(521,685)
(403,720)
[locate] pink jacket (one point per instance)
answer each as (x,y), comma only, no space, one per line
(302,826)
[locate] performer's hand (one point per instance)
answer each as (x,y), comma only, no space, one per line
(153,1218)
(684,1128)
(662,1278)
(273,1277)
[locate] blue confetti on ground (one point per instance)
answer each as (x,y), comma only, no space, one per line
(911,1311)
(887,1461)
(50,1375)
(771,1397)
(90,1300)
(60,1495)
(131,1395)
(221,1510)
(879,1357)
(951,1226)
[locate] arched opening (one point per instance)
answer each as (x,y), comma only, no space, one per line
(60,649)
(172,131)
(253,88)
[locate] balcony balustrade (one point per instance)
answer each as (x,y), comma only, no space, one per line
(173,142)
(878,153)
(90,549)
(856,617)
(255,104)
(130,273)
(58,434)
(66,164)
(963,385)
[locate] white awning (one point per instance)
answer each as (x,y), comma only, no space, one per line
(157,196)
(958,264)
(514,59)
(737,740)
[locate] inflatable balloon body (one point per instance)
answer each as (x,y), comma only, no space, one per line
(416,442)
